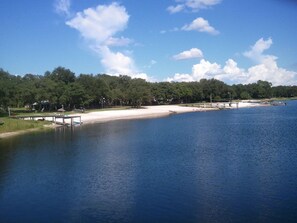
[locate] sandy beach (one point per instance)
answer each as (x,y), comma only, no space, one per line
(144,112)
(156,111)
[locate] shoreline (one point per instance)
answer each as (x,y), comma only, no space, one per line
(21,132)
(158,111)
(145,112)
(138,113)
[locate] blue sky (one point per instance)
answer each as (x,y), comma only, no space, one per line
(236,41)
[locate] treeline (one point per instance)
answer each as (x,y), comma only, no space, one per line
(62,88)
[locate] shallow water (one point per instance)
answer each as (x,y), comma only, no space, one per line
(223,166)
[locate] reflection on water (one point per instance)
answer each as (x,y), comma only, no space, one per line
(227,166)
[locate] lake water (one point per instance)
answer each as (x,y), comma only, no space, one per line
(223,166)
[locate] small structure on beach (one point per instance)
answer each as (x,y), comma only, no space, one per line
(61,109)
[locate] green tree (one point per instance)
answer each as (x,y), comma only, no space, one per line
(245,95)
(139,93)
(61,74)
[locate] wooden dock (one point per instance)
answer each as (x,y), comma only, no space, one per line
(57,119)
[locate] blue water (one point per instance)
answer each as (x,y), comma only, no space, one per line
(224,166)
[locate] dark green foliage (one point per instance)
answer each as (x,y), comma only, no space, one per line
(61,74)
(62,88)
(138,92)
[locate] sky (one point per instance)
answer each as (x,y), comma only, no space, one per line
(235,41)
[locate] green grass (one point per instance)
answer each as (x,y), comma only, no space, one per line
(13,125)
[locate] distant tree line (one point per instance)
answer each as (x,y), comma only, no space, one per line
(62,88)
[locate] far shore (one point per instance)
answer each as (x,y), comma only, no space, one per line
(143,113)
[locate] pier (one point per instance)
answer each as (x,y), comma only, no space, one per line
(57,119)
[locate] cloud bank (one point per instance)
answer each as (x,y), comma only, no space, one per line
(266,69)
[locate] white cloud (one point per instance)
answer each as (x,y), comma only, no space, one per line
(175,9)
(205,69)
(153,62)
(189,54)
(181,78)
(193,5)
(266,69)
(232,73)
(101,23)
(231,67)
(62,7)
(201,4)
(99,27)
(269,71)
(200,25)
(116,62)
(256,51)
(175,29)
(142,76)
(122,41)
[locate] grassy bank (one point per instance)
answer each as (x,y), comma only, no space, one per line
(14,125)
(17,125)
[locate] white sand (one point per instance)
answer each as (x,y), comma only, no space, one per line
(154,111)
(145,112)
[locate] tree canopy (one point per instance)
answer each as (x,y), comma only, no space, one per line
(61,87)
